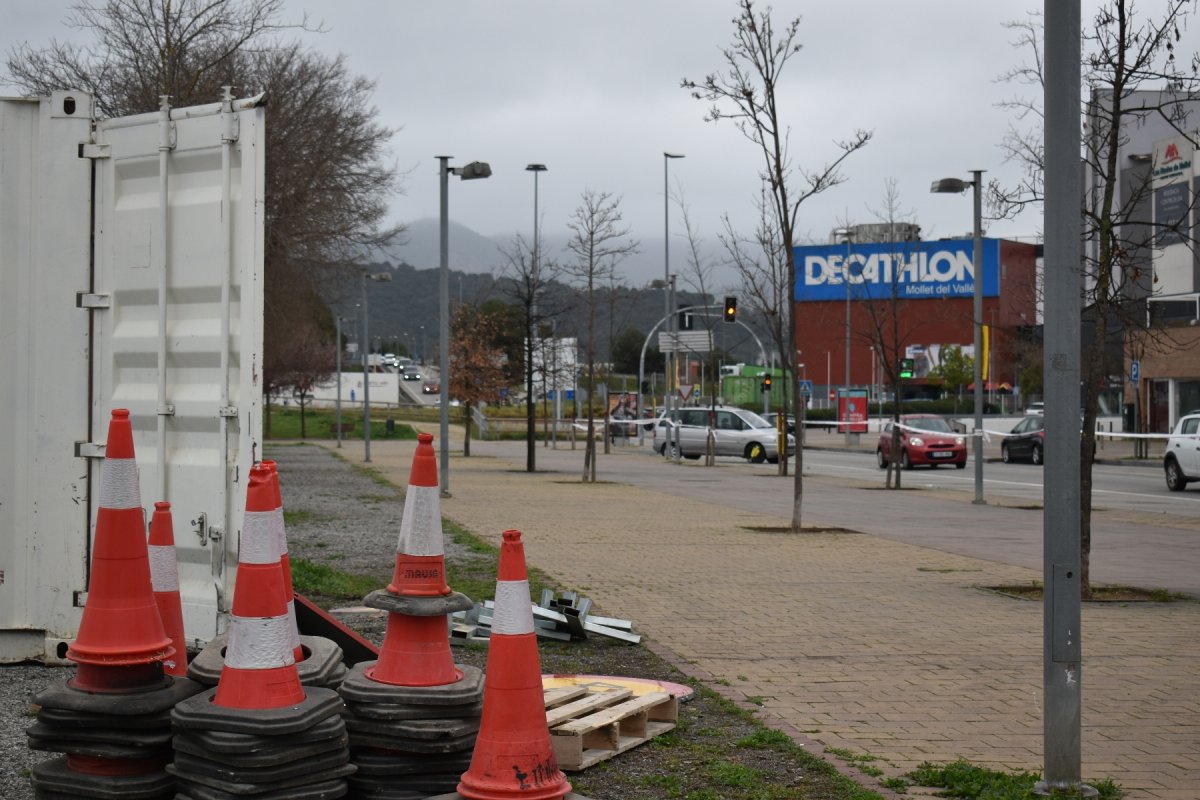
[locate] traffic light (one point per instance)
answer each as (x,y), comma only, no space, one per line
(766,383)
(730,309)
(906,368)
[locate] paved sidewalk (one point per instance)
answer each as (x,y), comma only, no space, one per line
(850,640)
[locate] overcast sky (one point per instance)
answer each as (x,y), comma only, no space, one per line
(591,90)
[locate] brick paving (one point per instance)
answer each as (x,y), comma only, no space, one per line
(848,640)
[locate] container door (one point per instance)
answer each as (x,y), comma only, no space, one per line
(178,254)
(44,279)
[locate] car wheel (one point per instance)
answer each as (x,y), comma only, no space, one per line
(905,461)
(1035,455)
(1003,454)
(1175,480)
(880,460)
(756,453)
(961,465)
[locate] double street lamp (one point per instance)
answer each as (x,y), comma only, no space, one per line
(958,186)
(476,169)
(848,237)
(671,357)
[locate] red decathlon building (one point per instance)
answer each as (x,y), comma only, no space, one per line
(909,299)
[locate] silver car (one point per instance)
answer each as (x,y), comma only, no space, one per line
(736,432)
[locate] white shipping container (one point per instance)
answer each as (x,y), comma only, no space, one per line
(131,256)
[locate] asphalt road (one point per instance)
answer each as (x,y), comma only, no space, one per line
(1142,534)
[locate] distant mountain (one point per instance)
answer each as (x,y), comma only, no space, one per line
(474,253)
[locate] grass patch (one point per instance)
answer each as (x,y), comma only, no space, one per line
(1100,594)
(965,780)
(291,518)
(319,424)
(318,579)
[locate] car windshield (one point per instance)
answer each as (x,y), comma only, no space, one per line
(755,421)
(935,424)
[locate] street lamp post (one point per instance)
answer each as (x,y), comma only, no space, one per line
(535,283)
(337,414)
(476,169)
(366,362)
(847,236)
(958,186)
(671,356)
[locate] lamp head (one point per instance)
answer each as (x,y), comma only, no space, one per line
(535,168)
(950,186)
(476,169)
(673,155)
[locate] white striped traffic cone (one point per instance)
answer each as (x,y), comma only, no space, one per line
(260,670)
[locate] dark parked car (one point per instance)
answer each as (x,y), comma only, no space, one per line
(1026,441)
(924,439)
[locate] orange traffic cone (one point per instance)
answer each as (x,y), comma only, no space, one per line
(416,647)
(285,563)
(513,756)
(260,670)
(121,642)
(164,577)
(420,552)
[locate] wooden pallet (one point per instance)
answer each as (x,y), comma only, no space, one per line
(593,722)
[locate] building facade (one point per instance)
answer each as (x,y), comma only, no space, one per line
(866,305)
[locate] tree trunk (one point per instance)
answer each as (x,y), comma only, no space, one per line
(467,434)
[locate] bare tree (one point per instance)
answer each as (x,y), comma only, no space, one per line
(747,94)
(1135,76)
(698,275)
(598,242)
(328,185)
(529,276)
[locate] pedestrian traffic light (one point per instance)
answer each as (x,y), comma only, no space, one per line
(730,309)
(906,368)
(766,383)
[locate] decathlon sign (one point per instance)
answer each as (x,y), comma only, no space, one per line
(904,270)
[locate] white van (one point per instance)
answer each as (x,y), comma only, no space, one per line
(736,432)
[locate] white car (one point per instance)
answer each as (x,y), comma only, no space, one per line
(1181,462)
(736,432)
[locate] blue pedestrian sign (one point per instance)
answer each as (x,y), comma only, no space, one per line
(1135,371)
(806,388)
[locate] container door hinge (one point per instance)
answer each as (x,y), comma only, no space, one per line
(92,300)
(167,410)
(228,411)
(89,150)
(89,450)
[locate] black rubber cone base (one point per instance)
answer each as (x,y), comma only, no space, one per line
(248,743)
(326,790)
(412,606)
(134,704)
(189,766)
(259,789)
(398,762)
(358,688)
(282,753)
(62,718)
(54,778)
(401,711)
(45,737)
(200,713)
(322,665)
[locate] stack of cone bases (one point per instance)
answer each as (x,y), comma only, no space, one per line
(413,714)
(164,577)
(513,756)
(319,660)
(260,732)
(110,719)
